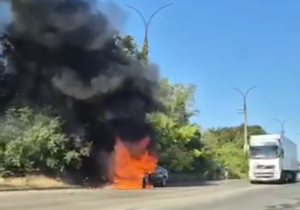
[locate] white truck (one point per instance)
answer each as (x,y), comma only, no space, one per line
(272,158)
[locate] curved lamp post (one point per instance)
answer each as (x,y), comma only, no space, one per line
(244,112)
(282,123)
(146,22)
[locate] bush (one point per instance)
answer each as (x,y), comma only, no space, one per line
(33,142)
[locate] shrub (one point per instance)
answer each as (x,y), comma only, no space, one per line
(33,142)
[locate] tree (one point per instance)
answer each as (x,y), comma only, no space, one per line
(178,100)
(131,48)
(32,142)
(179,140)
(224,145)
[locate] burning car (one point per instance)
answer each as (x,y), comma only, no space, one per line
(159,177)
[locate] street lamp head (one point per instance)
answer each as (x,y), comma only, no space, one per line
(244,94)
(275,119)
(145,21)
(287,119)
(282,123)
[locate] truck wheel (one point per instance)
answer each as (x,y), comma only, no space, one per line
(294,177)
(284,178)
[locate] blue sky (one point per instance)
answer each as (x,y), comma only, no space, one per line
(218,45)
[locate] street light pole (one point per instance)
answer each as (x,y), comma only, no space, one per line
(244,112)
(146,22)
(282,123)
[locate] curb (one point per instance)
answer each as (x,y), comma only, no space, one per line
(16,189)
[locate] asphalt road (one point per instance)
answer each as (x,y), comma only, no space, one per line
(232,195)
(276,197)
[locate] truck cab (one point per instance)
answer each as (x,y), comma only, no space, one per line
(272,158)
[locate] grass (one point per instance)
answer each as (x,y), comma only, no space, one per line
(31,182)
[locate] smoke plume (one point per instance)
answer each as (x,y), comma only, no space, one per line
(64,53)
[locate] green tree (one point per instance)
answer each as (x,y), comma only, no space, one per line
(179,100)
(224,145)
(179,140)
(32,142)
(131,48)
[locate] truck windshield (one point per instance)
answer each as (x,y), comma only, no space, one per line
(261,152)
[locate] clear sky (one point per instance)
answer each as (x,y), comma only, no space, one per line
(220,44)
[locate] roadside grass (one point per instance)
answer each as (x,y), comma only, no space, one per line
(31,182)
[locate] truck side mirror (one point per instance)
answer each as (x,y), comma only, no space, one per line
(281,152)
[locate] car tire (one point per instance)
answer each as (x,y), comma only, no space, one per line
(163,182)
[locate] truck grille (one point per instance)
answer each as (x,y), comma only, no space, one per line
(264,175)
(265,166)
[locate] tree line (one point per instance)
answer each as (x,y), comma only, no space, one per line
(33,142)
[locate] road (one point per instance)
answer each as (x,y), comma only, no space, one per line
(231,195)
(276,197)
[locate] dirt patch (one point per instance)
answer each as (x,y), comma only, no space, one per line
(31,182)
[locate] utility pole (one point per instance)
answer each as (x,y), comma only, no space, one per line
(282,123)
(146,22)
(244,112)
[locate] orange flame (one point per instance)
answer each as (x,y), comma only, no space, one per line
(129,164)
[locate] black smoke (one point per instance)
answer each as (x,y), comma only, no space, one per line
(64,53)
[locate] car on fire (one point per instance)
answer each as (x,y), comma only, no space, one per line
(160,177)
